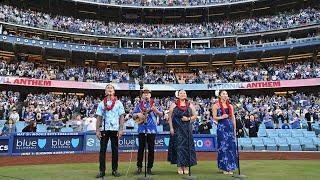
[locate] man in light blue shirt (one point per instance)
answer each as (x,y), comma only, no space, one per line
(110,120)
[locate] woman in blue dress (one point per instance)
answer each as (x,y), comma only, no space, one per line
(223,113)
(181,146)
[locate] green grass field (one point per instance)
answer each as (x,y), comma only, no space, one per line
(205,170)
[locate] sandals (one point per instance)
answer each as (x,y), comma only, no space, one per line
(227,172)
(180,171)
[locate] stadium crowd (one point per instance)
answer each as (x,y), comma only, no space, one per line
(229,74)
(119,29)
(76,112)
(161,3)
(56,72)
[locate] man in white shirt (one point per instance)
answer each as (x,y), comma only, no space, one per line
(14,115)
(90,123)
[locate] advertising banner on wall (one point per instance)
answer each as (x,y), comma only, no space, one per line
(129,142)
(4,146)
(47,143)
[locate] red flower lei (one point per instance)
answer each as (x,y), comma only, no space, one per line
(105,101)
(182,108)
(142,105)
(222,108)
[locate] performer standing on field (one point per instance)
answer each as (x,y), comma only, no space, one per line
(181,114)
(145,114)
(223,113)
(110,120)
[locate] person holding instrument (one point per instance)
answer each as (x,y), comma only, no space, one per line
(145,114)
(110,120)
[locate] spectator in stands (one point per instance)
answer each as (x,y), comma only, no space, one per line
(129,122)
(90,122)
(309,118)
(14,115)
(9,127)
(64,117)
(285,125)
(77,123)
(187,30)
(279,118)
(2,113)
(56,124)
(39,116)
(29,115)
(267,120)
(239,125)
(205,126)
(253,126)
(32,127)
(295,122)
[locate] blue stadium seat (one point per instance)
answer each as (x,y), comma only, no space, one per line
(262,126)
(245,144)
(284,132)
(282,144)
(272,133)
(258,144)
(317,130)
(315,125)
(304,124)
(307,144)
(297,134)
(270,144)
(316,142)
(213,131)
(66,129)
(41,128)
(160,128)
(262,133)
(294,144)
(20,125)
(2,122)
(308,133)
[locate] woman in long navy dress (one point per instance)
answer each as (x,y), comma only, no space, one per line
(223,113)
(181,114)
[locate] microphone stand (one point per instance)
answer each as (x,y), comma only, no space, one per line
(239,175)
(189,177)
(145,177)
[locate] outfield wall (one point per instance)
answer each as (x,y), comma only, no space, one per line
(73,143)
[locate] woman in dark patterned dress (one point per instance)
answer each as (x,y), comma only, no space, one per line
(223,114)
(181,115)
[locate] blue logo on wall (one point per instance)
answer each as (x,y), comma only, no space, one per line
(166,141)
(75,142)
(42,143)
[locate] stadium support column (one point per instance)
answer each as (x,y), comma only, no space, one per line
(210,60)
(119,60)
(286,57)
(165,60)
(188,60)
(260,57)
(142,17)
(315,55)
(43,53)
(141,60)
